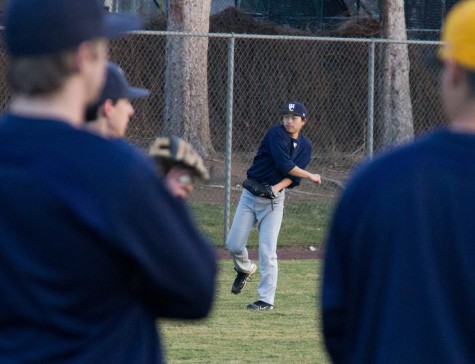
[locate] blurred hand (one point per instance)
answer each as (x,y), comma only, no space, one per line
(315,178)
(179,181)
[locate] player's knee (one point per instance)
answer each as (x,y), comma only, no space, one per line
(235,248)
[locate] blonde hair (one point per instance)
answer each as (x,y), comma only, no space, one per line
(45,74)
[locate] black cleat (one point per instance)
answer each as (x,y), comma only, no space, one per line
(260,305)
(241,279)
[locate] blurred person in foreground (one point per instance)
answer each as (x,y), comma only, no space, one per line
(179,164)
(93,247)
(399,277)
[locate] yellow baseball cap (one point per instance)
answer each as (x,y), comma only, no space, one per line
(458,33)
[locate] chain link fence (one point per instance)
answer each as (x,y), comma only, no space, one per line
(331,76)
(337,79)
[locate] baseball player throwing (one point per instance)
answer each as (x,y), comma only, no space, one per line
(280,163)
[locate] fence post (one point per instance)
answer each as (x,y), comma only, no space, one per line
(229,136)
(369,151)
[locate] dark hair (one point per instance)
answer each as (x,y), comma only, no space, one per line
(92,110)
(470,75)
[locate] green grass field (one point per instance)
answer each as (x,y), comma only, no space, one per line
(304,223)
(291,333)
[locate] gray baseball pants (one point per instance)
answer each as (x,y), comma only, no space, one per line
(267,214)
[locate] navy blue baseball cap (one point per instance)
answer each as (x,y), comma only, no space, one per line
(296,108)
(117,87)
(40,27)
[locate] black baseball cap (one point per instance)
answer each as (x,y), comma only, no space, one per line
(40,27)
(296,108)
(117,87)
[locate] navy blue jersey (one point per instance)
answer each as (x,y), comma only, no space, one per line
(399,276)
(277,155)
(92,249)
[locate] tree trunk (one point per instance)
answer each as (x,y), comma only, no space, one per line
(186,82)
(396,107)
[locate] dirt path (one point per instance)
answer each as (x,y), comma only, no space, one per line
(285,253)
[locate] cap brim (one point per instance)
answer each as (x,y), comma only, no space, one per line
(115,25)
(137,93)
(291,112)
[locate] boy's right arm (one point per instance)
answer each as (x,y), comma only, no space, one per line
(302,173)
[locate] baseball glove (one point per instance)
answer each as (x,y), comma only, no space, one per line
(259,189)
(169,151)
